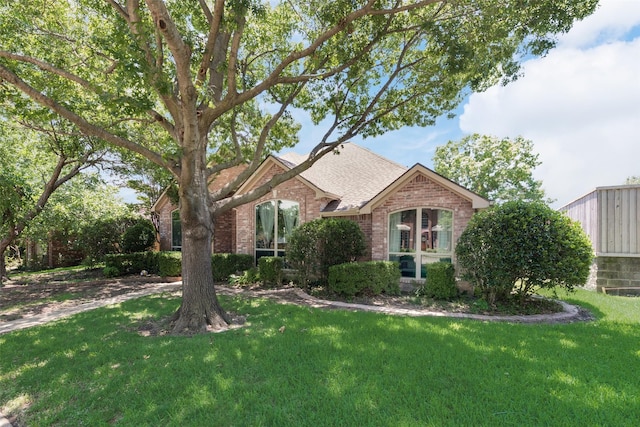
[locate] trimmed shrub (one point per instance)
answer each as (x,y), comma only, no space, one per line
(441,281)
(139,237)
(369,278)
(110,272)
(303,253)
(123,264)
(247,277)
(520,246)
(342,241)
(319,244)
(224,265)
(170,264)
(270,270)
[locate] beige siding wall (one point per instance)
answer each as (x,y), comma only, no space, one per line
(585,210)
(419,192)
(619,216)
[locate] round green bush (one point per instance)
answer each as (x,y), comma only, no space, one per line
(110,272)
(139,237)
(520,246)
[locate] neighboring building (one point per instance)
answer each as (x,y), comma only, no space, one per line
(410,215)
(610,216)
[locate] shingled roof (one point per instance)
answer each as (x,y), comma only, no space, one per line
(353,173)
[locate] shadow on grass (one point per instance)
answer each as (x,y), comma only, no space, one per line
(323,368)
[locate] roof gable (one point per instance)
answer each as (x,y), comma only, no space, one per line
(285,165)
(477,201)
(353,173)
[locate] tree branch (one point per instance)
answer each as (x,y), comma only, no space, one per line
(132,19)
(221,206)
(50,68)
(214,22)
(84,125)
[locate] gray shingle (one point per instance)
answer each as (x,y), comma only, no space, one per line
(356,174)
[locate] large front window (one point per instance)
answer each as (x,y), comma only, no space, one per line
(420,236)
(275,220)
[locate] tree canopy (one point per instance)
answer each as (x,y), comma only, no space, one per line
(499,169)
(632,180)
(34,164)
(197,88)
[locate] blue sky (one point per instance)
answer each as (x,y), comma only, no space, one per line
(580,105)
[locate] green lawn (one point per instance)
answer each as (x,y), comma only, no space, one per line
(327,368)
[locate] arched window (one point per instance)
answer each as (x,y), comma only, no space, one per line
(275,220)
(176,231)
(420,236)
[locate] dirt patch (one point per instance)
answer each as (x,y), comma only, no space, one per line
(46,292)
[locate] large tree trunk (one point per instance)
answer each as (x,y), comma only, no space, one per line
(200,308)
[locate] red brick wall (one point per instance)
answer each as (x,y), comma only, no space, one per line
(223,229)
(293,190)
(419,192)
(235,230)
(223,233)
(164,209)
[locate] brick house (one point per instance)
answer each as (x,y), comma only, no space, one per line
(410,215)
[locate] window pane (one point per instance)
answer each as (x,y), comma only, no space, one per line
(176,230)
(407,264)
(436,233)
(288,219)
(444,231)
(265,223)
(263,252)
(402,229)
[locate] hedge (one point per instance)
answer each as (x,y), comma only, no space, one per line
(224,265)
(270,270)
(441,281)
(123,264)
(369,278)
(169,264)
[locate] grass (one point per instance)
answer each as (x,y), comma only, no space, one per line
(328,367)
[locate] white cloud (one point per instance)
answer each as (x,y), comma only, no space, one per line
(579,105)
(611,21)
